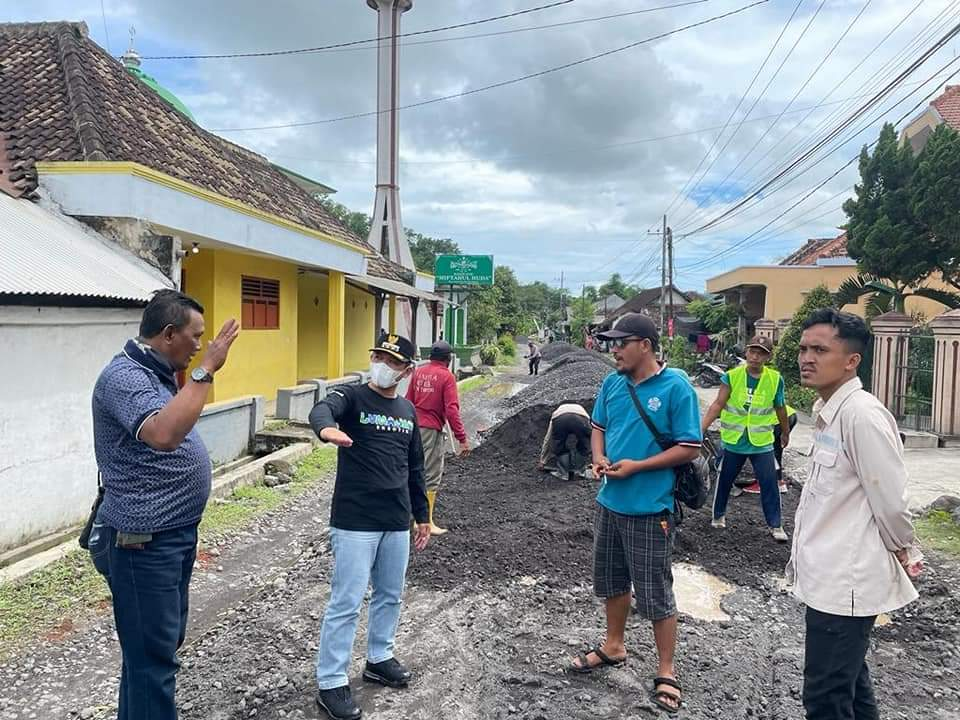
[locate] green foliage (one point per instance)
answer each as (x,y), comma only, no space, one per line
(425,250)
(679,354)
(787,350)
(582,314)
(801,398)
(508,347)
(590,293)
(616,286)
(936,199)
(358,223)
(489,354)
(716,318)
(938,531)
(884,235)
(496,310)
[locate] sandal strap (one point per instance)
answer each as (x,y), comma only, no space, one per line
(603,656)
(671,682)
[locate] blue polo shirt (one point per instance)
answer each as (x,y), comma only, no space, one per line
(145,490)
(671,403)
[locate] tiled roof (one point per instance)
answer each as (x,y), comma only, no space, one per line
(948,105)
(816,249)
(62,97)
(381,267)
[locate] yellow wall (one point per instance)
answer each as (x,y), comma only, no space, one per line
(786,286)
(312,324)
(360,309)
(260,360)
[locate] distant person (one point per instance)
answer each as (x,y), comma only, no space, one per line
(854,547)
(156,477)
(433,392)
(534,356)
(634,526)
(569,425)
(750,403)
(379,485)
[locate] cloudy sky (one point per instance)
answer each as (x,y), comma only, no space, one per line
(566,172)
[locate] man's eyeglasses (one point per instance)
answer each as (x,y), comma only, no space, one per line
(621,343)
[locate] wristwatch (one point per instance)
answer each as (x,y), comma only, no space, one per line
(200,375)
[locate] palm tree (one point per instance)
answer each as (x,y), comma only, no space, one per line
(884,296)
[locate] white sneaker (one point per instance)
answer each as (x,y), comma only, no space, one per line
(720,522)
(779,535)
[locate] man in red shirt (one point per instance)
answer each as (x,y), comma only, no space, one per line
(433,392)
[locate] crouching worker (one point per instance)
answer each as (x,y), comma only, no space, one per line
(566,446)
(379,484)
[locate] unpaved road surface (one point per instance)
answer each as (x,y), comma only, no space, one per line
(493,612)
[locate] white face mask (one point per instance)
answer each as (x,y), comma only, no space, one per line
(384,376)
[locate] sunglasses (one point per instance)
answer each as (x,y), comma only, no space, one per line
(621,343)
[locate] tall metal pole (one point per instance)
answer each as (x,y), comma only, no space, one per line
(670,269)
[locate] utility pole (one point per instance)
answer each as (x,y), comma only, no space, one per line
(663,274)
(670,270)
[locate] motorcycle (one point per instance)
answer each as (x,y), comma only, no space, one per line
(709,374)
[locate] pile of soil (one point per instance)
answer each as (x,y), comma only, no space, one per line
(573,382)
(580,356)
(554,350)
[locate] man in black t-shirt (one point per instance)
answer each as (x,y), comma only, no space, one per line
(379,486)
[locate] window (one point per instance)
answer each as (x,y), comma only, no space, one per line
(260,299)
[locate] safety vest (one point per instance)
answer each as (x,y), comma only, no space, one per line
(759,420)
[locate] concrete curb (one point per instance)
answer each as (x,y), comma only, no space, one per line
(223,484)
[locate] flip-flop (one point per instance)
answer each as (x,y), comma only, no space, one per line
(656,696)
(585,668)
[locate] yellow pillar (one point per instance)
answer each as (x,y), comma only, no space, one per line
(336,310)
(392,314)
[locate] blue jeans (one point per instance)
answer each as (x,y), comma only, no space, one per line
(360,559)
(150,589)
(765,468)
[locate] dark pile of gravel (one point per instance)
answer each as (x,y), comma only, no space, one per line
(579,356)
(572,382)
(555,350)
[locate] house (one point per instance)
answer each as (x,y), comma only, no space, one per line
(945,108)
(247,238)
(69,300)
(648,303)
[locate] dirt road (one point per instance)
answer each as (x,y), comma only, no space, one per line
(494,610)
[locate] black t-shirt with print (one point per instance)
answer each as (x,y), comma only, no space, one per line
(380,478)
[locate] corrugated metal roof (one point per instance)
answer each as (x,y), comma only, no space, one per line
(45,253)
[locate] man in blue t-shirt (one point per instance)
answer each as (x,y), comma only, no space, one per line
(750,405)
(634,526)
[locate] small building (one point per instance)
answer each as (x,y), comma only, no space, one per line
(69,300)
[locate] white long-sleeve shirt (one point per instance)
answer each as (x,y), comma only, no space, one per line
(853,512)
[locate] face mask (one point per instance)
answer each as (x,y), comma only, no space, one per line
(383,376)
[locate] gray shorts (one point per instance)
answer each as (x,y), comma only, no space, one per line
(434,447)
(635,550)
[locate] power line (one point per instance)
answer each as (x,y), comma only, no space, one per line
(106,33)
(301,51)
(840,129)
(684,220)
(733,113)
(504,83)
(726,251)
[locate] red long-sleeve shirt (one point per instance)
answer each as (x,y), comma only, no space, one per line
(433,392)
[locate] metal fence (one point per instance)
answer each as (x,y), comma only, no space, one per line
(913,383)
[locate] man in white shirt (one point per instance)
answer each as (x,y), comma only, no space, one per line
(568,421)
(854,548)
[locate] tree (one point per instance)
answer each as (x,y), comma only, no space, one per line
(590,293)
(936,199)
(884,235)
(882,296)
(495,310)
(716,317)
(616,286)
(581,314)
(425,250)
(787,350)
(357,223)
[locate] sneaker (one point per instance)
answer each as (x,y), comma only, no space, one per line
(720,522)
(783,487)
(338,703)
(779,535)
(753,489)
(736,491)
(389,672)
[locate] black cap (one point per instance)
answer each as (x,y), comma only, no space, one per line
(441,349)
(397,346)
(632,325)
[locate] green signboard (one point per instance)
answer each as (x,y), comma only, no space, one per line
(476,270)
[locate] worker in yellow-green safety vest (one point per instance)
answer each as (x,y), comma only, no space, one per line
(750,405)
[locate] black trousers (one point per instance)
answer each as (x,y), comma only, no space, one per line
(571,442)
(535,366)
(836,681)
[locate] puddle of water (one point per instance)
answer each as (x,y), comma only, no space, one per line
(699,593)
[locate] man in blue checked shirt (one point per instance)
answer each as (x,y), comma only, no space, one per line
(634,526)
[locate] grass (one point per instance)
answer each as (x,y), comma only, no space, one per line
(45,602)
(938,531)
(276,425)
(473,383)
